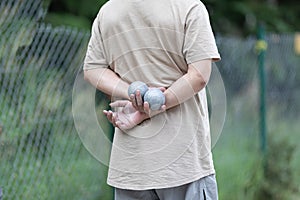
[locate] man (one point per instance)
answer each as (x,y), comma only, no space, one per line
(168,44)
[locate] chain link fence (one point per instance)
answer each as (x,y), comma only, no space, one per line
(238,155)
(41,156)
(239,69)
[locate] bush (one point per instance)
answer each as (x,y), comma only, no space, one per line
(273,177)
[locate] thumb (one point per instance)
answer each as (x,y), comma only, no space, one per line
(163,89)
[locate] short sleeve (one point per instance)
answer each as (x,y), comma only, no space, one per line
(199,41)
(95,55)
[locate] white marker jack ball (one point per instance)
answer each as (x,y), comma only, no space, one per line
(137,85)
(155,97)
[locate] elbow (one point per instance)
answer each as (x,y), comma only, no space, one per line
(199,75)
(203,77)
(202,81)
(201,84)
(86,75)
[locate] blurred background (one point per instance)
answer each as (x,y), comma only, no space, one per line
(42,47)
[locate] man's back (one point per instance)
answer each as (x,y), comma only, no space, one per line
(154,41)
(132,28)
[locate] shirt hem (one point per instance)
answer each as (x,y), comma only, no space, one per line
(161,186)
(214,57)
(87,66)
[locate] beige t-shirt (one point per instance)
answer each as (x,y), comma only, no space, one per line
(154,41)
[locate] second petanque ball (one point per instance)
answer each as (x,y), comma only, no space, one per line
(137,85)
(155,97)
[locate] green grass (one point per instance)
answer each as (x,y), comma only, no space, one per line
(235,156)
(68,172)
(238,159)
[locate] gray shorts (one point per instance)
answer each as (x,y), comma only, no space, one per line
(203,189)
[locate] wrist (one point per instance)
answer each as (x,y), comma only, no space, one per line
(171,99)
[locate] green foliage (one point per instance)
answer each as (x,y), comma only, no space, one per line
(227,17)
(241,17)
(237,159)
(276,179)
(239,162)
(66,19)
(79,13)
(19,118)
(234,157)
(73,176)
(39,150)
(15,39)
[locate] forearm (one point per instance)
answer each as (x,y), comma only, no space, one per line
(188,85)
(181,90)
(107,81)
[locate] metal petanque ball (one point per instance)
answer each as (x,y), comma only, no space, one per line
(137,85)
(155,97)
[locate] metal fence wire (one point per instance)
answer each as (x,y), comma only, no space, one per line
(38,141)
(41,156)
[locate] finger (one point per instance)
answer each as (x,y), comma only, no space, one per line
(105,112)
(139,100)
(163,108)
(163,89)
(109,116)
(118,103)
(147,107)
(114,118)
(133,100)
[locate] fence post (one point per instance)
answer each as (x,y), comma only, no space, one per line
(261,47)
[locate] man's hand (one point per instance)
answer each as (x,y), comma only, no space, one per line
(139,104)
(137,101)
(127,118)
